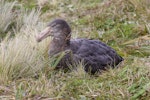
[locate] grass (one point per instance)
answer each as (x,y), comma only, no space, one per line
(27,73)
(7,16)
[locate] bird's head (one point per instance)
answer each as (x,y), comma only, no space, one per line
(58,29)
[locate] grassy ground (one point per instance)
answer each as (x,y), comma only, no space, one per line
(26,72)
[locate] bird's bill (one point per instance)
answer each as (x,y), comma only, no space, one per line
(43,34)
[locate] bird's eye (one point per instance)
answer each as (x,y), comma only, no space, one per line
(53,25)
(57,26)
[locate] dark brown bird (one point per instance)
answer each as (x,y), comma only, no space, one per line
(95,54)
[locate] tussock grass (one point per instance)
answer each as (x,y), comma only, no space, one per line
(27,20)
(19,54)
(26,71)
(6,15)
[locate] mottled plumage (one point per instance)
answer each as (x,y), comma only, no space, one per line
(95,55)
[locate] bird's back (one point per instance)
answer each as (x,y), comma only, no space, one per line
(95,54)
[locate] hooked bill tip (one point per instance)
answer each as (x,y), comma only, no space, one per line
(38,39)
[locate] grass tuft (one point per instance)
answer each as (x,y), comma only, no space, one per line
(6,16)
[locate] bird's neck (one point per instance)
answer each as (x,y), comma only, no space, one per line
(58,44)
(61,42)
